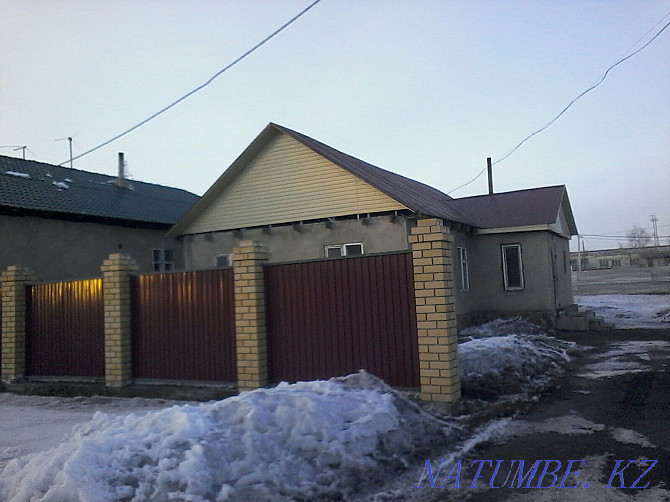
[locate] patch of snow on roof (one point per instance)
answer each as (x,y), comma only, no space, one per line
(17,174)
(60,184)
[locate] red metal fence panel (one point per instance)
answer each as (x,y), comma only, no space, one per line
(65,329)
(183,326)
(333,317)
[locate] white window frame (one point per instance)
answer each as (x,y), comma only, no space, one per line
(228,256)
(343,249)
(463,269)
(505,273)
(162,264)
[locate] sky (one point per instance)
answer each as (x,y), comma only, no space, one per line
(426,89)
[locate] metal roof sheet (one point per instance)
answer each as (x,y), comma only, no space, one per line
(31,185)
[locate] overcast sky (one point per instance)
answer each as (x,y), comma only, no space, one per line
(427,89)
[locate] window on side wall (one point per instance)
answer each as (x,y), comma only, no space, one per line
(512,267)
(463,269)
(223,260)
(163,260)
(338,250)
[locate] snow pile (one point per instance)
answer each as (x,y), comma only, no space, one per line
(630,311)
(508,357)
(61,185)
(322,440)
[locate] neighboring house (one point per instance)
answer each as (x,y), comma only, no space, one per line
(62,223)
(647,256)
(305,200)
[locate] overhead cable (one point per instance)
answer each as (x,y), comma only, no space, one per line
(579,96)
(190,93)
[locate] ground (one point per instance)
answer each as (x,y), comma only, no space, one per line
(357,440)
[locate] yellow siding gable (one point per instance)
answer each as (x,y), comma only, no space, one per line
(286,182)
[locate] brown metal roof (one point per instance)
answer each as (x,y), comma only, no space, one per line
(417,196)
(535,206)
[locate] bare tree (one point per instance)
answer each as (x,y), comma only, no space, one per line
(638,237)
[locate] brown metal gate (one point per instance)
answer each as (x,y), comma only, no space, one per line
(333,317)
(183,326)
(65,329)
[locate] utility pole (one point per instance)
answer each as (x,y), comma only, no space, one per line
(654,220)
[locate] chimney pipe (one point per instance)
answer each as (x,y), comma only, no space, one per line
(489,168)
(121,181)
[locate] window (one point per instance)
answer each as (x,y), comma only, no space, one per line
(338,250)
(616,263)
(163,260)
(223,260)
(463,269)
(512,267)
(604,263)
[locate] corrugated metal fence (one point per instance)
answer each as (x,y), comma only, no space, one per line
(183,326)
(334,317)
(65,329)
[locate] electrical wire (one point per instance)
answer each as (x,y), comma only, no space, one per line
(600,81)
(190,93)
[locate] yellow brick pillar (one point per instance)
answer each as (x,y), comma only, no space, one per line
(251,340)
(432,246)
(14,281)
(116,272)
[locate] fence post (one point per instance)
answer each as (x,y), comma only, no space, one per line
(116,272)
(250,334)
(432,245)
(14,281)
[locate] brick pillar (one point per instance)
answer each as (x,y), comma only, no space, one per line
(251,341)
(14,281)
(432,246)
(116,272)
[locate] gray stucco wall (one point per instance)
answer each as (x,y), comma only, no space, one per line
(487,294)
(378,234)
(63,250)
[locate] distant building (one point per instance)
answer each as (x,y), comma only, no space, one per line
(62,223)
(648,256)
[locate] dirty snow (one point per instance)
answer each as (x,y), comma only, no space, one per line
(310,440)
(629,311)
(509,356)
(631,437)
(615,361)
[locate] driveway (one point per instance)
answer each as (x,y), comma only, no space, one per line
(611,411)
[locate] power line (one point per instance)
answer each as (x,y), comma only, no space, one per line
(174,103)
(600,81)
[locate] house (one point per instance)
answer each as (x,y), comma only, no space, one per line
(305,200)
(62,223)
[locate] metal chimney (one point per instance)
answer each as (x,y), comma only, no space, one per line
(121,181)
(489,168)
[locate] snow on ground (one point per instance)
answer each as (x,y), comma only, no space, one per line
(629,311)
(615,361)
(509,356)
(321,440)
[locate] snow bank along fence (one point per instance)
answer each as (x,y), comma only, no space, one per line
(254,324)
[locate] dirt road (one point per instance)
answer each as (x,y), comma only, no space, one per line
(611,412)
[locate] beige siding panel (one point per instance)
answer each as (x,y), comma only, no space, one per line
(289,182)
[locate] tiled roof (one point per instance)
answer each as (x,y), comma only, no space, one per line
(535,206)
(417,196)
(31,185)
